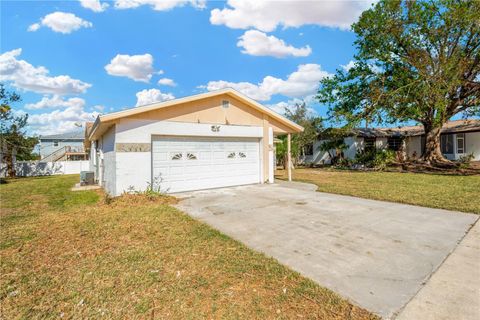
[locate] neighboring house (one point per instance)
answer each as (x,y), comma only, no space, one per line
(458,138)
(210,140)
(62,147)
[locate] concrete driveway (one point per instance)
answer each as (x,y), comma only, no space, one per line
(377,254)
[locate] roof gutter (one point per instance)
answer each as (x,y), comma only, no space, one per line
(94,128)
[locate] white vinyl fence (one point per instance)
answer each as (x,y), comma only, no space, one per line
(36,168)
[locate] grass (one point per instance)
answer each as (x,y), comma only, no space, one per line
(71,255)
(451,192)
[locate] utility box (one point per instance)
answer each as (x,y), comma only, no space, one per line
(87,178)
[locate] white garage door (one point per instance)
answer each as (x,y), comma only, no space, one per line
(189,163)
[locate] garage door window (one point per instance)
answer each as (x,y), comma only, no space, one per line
(191,156)
(177,156)
(231,155)
(242,155)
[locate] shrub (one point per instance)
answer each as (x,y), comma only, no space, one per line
(466,158)
(464,161)
(375,158)
(365,157)
(384,158)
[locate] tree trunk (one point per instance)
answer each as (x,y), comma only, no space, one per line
(10,166)
(432,153)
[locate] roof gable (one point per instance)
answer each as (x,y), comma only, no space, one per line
(191,105)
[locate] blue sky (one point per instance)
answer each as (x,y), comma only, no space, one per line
(71,60)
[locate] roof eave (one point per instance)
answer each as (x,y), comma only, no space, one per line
(120,114)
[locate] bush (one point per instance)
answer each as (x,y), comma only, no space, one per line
(375,158)
(464,161)
(384,158)
(466,158)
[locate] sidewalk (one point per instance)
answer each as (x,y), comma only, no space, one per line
(453,292)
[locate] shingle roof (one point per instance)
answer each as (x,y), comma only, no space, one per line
(74,135)
(450,127)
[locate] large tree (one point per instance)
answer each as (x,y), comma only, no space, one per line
(14,143)
(416,60)
(312,125)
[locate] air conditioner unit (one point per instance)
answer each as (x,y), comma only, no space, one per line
(87,178)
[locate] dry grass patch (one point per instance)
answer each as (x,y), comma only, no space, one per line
(451,192)
(71,255)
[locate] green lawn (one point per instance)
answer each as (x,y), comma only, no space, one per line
(72,255)
(452,192)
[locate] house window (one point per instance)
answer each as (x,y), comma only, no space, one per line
(308,149)
(394,143)
(55,143)
(460,142)
(225,104)
(369,143)
(446,143)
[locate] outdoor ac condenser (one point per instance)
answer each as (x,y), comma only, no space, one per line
(87,178)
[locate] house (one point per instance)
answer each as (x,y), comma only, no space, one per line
(62,147)
(458,138)
(215,139)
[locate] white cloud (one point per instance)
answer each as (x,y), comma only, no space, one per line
(94,5)
(351,64)
(159,5)
(167,82)
(55,102)
(149,96)
(25,76)
(136,67)
(253,91)
(268,15)
(348,66)
(280,107)
(62,22)
(99,108)
(34,27)
(60,121)
(257,43)
(300,83)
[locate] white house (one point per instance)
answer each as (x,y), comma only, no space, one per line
(65,146)
(215,139)
(458,138)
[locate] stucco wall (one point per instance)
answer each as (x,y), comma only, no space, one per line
(472,143)
(322,157)
(133,169)
(108,161)
(318,157)
(353,144)
(414,147)
(92,161)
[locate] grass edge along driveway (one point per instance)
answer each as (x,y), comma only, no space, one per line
(450,192)
(70,254)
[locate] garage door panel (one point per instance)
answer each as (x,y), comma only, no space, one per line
(187,163)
